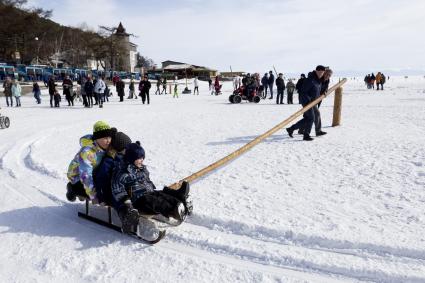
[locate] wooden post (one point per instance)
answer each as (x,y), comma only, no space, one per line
(169,90)
(336,121)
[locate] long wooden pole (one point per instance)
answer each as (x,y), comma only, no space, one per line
(256,141)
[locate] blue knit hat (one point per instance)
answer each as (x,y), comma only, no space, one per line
(133,152)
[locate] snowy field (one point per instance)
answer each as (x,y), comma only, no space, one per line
(347,207)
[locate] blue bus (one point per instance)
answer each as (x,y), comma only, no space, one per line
(34,73)
(6,71)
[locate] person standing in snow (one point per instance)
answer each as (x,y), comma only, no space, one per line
(144,88)
(16,92)
(51,84)
(89,89)
(176,92)
(7,87)
(164,86)
(280,85)
(131,89)
(265,82)
(310,90)
(120,88)
(196,84)
(271,82)
(99,89)
(298,87)
(383,79)
(290,87)
(67,90)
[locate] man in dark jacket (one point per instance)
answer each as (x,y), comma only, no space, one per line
(144,87)
(89,89)
(280,85)
(271,83)
(52,89)
(310,90)
(120,87)
(298,87)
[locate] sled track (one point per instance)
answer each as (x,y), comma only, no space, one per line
(280,253)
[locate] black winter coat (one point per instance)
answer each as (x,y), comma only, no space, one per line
(280,83)
(130,182)
(311,88)
(89,87)
(271,79)
(299,84)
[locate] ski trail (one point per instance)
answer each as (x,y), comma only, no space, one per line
(259,248)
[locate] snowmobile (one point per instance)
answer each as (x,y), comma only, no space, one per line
(245,93)
(4,122)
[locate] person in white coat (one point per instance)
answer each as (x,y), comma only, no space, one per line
(99,89)
(16,92)
(196,85)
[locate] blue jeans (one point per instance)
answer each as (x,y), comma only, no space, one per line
(271,90)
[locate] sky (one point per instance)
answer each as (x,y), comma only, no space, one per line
(250,35)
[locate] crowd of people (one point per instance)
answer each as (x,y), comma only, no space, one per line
(370,81)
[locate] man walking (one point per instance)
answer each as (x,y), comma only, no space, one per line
(310,90)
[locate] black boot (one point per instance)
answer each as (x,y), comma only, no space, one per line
(290,132)
(70,194)
(129,217)
(307,137)
(320,133)
(181,194)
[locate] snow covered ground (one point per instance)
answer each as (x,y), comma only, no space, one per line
(347,207)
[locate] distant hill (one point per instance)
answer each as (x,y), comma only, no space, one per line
(30,34)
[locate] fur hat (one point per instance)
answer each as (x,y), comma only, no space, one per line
(133,152)
(101,130)
(320,68)
(120,141)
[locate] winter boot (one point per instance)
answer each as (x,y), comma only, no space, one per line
(320,133)
(129,217)
(179,212)
(290,132)
(307,138)
(70,195)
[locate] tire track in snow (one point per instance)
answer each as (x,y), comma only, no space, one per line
(258,234)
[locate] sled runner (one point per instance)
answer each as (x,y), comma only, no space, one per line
(147,230)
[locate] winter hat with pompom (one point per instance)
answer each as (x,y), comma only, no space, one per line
(101,130)
(133,152)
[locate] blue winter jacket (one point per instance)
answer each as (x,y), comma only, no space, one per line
(310,89)
(102,176)
(130,182)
